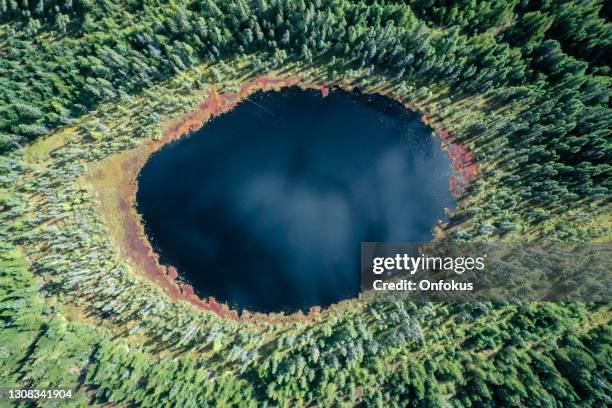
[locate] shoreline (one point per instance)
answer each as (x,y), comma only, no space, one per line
(133,242)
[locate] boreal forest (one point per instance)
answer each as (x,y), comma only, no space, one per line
(518,91)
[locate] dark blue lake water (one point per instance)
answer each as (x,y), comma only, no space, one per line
(265,207)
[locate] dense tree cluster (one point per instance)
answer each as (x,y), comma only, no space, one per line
(566,46)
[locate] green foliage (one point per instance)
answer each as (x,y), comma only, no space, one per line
(523,85)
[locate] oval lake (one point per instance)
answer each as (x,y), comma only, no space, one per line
(265,207)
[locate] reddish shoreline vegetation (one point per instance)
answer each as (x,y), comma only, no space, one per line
(464,163)
(137,247)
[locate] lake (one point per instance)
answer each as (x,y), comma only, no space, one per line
(265,207)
